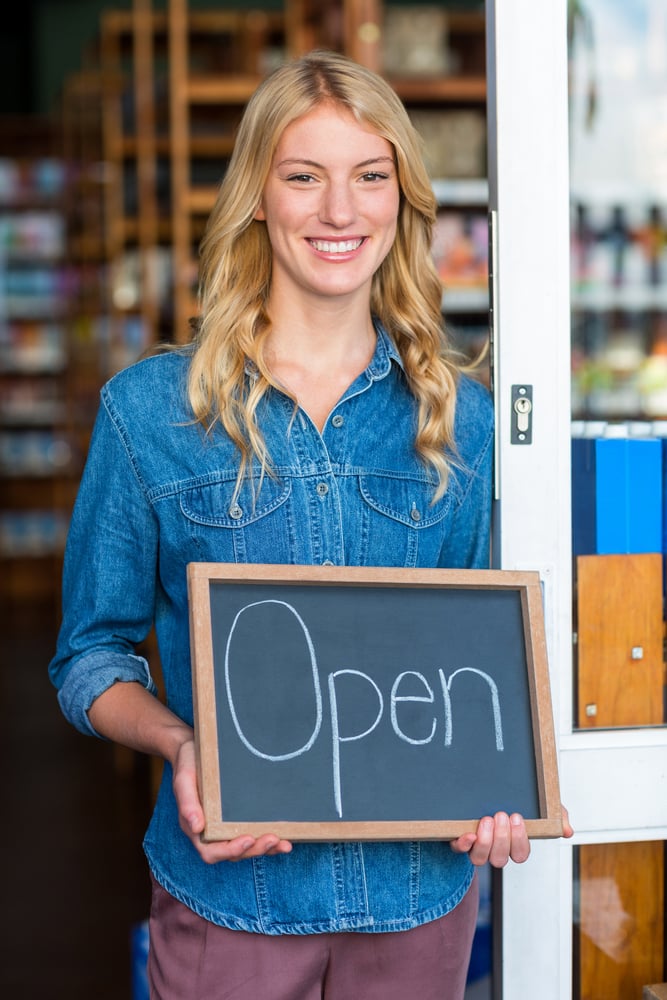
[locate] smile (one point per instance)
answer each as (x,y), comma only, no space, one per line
(340,246)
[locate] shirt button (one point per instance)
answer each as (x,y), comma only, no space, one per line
(322,489)
(415,515)
(235,512)
(338,421)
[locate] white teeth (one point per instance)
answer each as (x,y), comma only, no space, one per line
(324,246)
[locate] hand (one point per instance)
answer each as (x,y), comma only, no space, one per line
(498,838)
(191,818)
(501,837)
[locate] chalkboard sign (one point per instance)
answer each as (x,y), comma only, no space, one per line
(338,703)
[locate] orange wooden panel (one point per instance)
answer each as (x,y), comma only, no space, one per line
(620,640)
(621,919)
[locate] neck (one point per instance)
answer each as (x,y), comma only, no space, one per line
(315,356)
(332,336)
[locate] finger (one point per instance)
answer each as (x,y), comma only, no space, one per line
(463,844)
(520,848)
(190,812)
(568,830)
(243,848)
(484,840)
(282,847)
(224,850)
(186,792)
(268,843)
(501,846)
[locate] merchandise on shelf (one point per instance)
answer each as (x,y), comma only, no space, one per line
(618,254)
(415,40)
(460,249)
(454,141)
(37,453)
(617,486)
(31,180)
(32,533)
(33,347)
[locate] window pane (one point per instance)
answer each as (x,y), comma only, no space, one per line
(618,150)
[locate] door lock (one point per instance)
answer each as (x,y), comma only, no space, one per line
(522,414)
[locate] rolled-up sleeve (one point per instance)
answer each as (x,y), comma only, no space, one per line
(109,576)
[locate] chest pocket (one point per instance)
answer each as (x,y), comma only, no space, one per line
(251,525)
(401,525)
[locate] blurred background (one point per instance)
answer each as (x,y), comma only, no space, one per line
(116,122)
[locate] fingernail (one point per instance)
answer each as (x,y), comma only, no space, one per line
(516,820)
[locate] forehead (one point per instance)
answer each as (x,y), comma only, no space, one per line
(332,130)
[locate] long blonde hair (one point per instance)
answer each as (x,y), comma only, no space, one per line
(235,264)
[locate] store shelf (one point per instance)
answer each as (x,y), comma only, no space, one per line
(467,191)
(632,298)
(465,300)
(448,90)
(39,460)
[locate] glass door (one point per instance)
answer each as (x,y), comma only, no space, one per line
(618,236)
(577,161)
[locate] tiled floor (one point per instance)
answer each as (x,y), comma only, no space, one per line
(73,881)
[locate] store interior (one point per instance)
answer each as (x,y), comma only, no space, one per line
(96,264)
(116,121)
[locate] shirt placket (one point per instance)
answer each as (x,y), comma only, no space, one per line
(321,493)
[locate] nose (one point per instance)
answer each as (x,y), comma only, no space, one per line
(337,207)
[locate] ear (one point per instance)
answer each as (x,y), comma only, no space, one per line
(260,215)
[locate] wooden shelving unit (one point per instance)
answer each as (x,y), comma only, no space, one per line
(147,127)
(351,26)
(206,99)
(135,243)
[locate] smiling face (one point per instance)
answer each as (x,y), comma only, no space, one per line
(330,205)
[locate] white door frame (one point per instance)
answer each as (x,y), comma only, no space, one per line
(613,782)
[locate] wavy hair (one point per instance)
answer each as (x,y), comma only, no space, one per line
(235,264)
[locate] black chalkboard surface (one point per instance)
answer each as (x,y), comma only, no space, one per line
(370,703)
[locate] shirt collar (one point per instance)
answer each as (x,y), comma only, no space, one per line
(385,352)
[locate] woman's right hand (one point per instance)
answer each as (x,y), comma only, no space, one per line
(130,715)
(191,818)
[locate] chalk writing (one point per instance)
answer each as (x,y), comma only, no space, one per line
(316,685)
(395,701)
(495,702)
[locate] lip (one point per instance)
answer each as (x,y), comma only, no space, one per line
(339,248)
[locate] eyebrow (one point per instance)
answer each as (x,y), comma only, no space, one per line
(313,163)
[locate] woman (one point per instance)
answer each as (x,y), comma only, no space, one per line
(317,418)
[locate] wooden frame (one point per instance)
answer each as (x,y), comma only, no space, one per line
(204,583)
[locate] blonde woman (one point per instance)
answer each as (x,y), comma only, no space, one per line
(318,417)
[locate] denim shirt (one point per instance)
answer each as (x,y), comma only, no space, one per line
(157,493)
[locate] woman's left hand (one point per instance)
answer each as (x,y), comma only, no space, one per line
(498,838)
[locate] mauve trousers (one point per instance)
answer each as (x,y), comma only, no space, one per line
(192,959)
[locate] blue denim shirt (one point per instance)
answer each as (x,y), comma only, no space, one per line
(157,493)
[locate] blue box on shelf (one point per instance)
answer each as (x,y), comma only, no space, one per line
(617,496)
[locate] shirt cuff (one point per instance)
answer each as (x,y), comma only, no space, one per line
(91,676)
